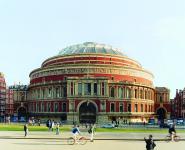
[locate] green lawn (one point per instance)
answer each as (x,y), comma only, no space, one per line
(19,127)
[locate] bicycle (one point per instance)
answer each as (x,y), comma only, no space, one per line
(176,138)
(81,140)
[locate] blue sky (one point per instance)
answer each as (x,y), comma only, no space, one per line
(150,31)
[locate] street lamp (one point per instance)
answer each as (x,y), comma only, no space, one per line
(73,113)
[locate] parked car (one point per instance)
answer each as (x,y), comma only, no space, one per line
(180,122)
(108,125)
(170,122)
(164,125)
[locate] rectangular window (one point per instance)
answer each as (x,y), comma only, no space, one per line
(120,92)
(37,107)
(42,107)
(72,89)
(112,109)
(57,92)
(95,88)
(121,107)
(49,92)
(136,108)
(65,91)
(64,107)
(129,107)
(43,93)
(79,88)
(48,107)
(56,107)
(87,88)
(141,107)
(103,89)
(146,108)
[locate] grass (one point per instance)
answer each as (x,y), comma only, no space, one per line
(19,127)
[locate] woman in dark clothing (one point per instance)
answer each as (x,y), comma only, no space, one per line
(25,130)
(149,143)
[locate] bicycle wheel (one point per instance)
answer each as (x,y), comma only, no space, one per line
(176,138)
(82,140)
(168,138)
(71,141)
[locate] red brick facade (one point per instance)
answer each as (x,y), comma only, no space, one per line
(110,87)
(2,96)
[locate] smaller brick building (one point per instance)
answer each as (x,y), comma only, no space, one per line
(9,109)
(178,104)
(2,96)
(162,103)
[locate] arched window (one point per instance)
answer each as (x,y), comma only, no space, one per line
(141,94)
(128,91)
(120,92)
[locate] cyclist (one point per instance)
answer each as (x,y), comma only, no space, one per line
(172,131)
(75,132)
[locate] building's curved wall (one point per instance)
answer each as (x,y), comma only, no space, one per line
(118,85)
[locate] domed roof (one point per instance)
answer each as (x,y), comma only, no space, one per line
(90,47)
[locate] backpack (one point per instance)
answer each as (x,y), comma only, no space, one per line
(90,130)
(74,130)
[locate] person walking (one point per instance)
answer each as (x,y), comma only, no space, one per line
(57,129)
(150,145)
(172,131)
(25,130)
(91,131)
(52,125)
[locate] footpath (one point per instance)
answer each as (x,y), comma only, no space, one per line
(97,136)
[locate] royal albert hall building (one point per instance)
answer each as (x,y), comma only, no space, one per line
(91,82)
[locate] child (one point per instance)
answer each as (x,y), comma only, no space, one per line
(149,143)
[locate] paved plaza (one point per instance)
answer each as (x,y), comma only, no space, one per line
(107,141)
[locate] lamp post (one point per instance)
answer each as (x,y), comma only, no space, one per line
(73,113)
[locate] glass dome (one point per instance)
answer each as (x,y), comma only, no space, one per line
(90,47)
